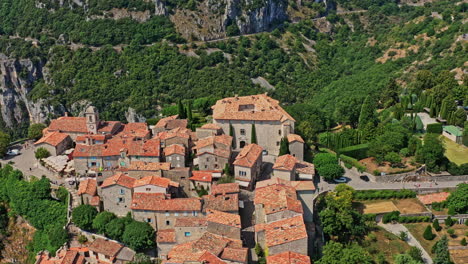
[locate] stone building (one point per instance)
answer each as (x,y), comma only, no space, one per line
(283,235)
(169,123)
(208,130)
(155,184)
(177,136)
(225,188)
(116,192)
(240,114)
(55,142)
(284,168)
(201,180)
(87,191)
(161,213)
(224,224)
(106,251)
(165,240)
(221,202)
(213,153)
(288,257)
(247,165)
(296,146)
(190,228)
(276,202)
(175,154)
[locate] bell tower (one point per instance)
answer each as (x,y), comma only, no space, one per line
(92,119)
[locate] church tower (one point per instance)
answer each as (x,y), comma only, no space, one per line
(92,119)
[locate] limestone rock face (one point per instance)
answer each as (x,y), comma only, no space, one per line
(159,8)
(16,82)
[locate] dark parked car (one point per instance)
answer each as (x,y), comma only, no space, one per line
(364,178)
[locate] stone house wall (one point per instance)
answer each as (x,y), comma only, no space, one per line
(224,230)
(299,246)
(296,149)
(284,175)
(176,160)
(117,199)
(208,161)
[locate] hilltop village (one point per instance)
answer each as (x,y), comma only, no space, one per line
(206,192)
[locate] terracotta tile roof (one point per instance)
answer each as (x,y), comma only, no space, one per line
(433,197)
(209,258)
(294,137)
(114,146)
(214,140)
(303,185)
(95,200)
(272,181)
(108,126)
(288,257)
(225,188)
(163,121)
(190,222)
(248,156)
(223,218)
(176,132)
(224,203)
(166,236)
(155,180)
(92,136)
(253,107)
(70,257)
(202,176)
(235,254)
(119,179)
(297,185)
(139,130)
(225,153)
(105,247)
(283,231)
(174,149)
(69,124)
(211,126)
(183,253)
(156,202)
(278,197)
(88,186)
(305,167)
(149,166)
(286,162)
(53,138)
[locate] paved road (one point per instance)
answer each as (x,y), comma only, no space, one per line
(397,228)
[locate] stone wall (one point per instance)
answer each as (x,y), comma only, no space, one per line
(224,230)
(299,246)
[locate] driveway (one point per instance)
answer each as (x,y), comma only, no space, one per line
(397,228)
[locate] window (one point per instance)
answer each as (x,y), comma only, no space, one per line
(279,132)
(277,143)
(169,158)
(120,200)
(178,165)
(168,222)
(177,158)
(242,173)
(148,220)
(148,189)
(167,213)
(194,213)
(122,191)
(206,166)
(185,213)
(207,159)
(242,132)
(187,234)
(176,214)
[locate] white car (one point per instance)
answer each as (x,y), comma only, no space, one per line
(341,180)
(12,152)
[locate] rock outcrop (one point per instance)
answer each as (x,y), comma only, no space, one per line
(16,82)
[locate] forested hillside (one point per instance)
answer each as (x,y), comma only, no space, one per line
(320,68)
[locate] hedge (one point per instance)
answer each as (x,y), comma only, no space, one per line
(434,128)
(395,216)
(353,162)
(369,217)
(384,194)
(357,151)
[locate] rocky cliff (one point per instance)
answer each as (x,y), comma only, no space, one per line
(16,82)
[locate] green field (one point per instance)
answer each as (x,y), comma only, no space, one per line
(455,152)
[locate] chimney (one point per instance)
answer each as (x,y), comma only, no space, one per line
(66,114)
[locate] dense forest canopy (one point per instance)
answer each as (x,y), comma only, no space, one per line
(321,76)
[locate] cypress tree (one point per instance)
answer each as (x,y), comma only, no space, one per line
(253,136)
(428,235)
(284,147)
(189,110)
(367,114)
(181,110)
(231,133)
(436,225)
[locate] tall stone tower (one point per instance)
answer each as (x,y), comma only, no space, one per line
(92,119)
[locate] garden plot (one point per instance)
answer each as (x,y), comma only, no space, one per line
(404,206)
(410,206)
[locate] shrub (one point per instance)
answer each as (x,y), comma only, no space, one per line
(393,216)
(353,162)
(330,171)
(322,159)
(435,128)
(463,242)
(436,225)
(448,221)
(83,216)
(451,232)
(376,173)
(403,235)
(428,235)
(82,239)
(41,153)
(372,237)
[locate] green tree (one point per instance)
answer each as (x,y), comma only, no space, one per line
(331,171)
(406,259)
(83,216)
(57,236)
(389,94)
(189,111)
(448,221)
(322,159)
(431,152)
(393,157)
(139,236)
(231,133)
(463,242)
(227,169)
(102,220)
(459,117)
(116,227)
(40,189)
(428,235)
(181,110)
(41,153)
(440,249)
(284,147)
(436,225)
(253,136)
(424,81)
(458,200)
(4,143)
(141,258)
(334,253)
(35,130)
(368,114)
(415,254)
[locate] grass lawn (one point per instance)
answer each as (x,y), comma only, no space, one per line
(417,231)
(455,152)
(384,243)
